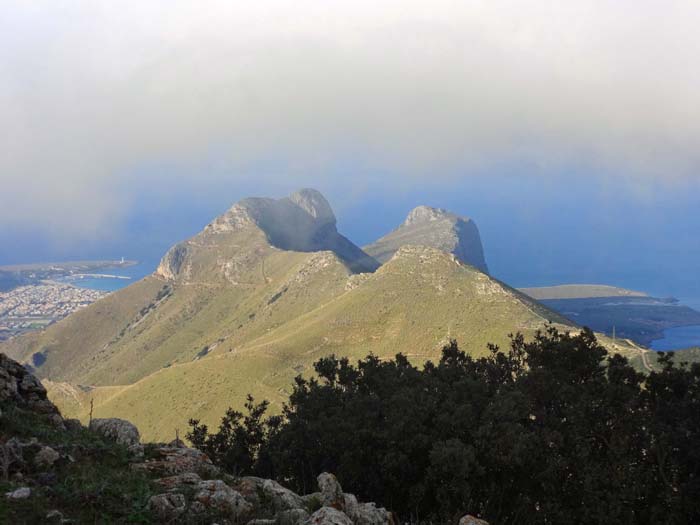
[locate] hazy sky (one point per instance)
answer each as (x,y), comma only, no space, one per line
(122,121)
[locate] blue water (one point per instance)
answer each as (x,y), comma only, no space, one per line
(678,338)
(106,284)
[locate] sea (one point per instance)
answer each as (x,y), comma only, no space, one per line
(122,277)
(682,336)
(678,338)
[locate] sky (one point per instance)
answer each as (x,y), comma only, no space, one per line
(570,131)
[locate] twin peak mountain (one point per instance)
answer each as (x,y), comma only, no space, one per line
(258,296)
(305,222)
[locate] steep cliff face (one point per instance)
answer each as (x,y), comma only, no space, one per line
(302,222)
(435,228)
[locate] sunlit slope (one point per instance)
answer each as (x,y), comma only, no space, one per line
(186,321)
(69,349)
(413,304)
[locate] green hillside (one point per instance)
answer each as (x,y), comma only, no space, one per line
(229,312)
(413,304)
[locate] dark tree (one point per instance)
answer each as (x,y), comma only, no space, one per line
(552,430)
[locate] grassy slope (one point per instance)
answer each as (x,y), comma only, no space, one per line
(116,341)
(413,304)
(70,345)
(98,486)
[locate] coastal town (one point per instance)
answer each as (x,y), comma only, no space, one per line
(36,306)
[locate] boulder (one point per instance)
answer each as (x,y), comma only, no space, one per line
(54,516)
(471,520)
(121,431)
(22,388)
(292,517)
(20,493)
(328,516)
(367,513)
(217,495)
(46,457)
(250,488)
(331,491)
(12,455)
(179,480)
(281,498)
(170,461)
(268,495)
(168,507)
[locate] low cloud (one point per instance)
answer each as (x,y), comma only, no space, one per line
(99,100)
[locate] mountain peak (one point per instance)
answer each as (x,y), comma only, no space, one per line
(313,203)
(424,213)
(435,228)
(301,222)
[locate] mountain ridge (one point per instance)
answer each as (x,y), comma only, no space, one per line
(228,313)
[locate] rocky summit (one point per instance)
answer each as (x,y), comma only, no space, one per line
(436,228)
(302,222)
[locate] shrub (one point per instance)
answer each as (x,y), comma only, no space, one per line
(553,430)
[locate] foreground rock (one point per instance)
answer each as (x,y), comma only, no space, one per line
(183,485)
(217,495)
(366,513)
(168,507)
(331,491)
(46,457)
(119,430)
(255,501)
(171,461)
(329,516)
(20,387)
(20,493)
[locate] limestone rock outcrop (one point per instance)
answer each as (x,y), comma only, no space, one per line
(46,457)
(331,491)
(329,516)
(217,495)
(435,228)
(302,222)
(21,387)
(167,460)
(119,430)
